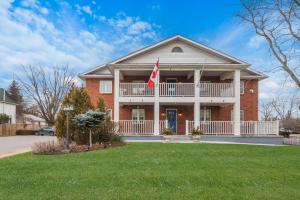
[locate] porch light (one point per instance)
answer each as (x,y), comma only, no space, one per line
(163,114)
(180,114)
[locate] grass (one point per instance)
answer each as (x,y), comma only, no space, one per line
(156,171)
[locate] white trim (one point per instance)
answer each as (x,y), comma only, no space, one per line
(184,39)
(101,82)
(242,86)
(139,109)
(176,117)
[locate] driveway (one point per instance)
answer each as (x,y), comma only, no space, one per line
(19,144)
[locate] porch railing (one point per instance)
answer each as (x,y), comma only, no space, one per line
(135,89)
(176,89)
(226,127)
(216,90)
(163,124)
(132,127)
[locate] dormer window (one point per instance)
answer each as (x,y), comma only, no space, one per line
(177,50)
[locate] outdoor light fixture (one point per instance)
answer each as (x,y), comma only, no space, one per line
(67,109)
(179,114)
(163,114)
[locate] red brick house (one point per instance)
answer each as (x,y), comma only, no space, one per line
(197,86)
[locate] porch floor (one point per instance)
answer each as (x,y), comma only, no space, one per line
(268,139)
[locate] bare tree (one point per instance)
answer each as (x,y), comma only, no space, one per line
(46,89)
(267,111)
(277,21)
(285,106)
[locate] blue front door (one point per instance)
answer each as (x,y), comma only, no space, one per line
(172,120)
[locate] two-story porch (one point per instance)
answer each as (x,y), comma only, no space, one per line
(183,100)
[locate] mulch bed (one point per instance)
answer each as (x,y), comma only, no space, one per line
(81,148)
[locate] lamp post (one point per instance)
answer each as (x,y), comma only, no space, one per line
(67,109)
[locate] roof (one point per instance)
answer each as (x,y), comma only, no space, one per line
(5,97)
(97,71)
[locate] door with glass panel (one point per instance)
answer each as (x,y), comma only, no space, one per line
(138,117)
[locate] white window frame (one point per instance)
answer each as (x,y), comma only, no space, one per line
(242,87)
(205,114)
(138,109)
(107,89)
(109,112)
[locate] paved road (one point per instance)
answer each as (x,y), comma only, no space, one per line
(19,144)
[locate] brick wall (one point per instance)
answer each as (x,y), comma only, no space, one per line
(249,103)
(92,86)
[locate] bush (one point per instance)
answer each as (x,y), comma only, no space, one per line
(197,131)
(49,147)
(167,131)
(25,132)
(4,118)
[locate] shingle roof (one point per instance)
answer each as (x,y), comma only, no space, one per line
(5,98)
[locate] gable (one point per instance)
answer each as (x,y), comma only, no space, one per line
(190,54)
(101,71)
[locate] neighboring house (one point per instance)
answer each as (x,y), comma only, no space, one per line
(197,86)
(32,119)
(7,105)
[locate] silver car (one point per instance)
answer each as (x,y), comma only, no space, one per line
(45,131)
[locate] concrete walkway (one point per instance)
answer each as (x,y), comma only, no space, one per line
(13,145)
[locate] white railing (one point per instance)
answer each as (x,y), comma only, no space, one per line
(176,89)
(226,127)
(132,127)
(259,128)
(163,124)
(135,89)
(216,90)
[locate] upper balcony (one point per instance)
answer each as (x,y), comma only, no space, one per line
(177,90)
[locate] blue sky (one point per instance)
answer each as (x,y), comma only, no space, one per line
(84,34)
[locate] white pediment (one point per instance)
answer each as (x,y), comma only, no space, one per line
(191,54)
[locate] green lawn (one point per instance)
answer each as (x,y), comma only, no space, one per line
(156,171)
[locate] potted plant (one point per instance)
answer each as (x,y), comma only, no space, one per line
(196,133)
(167,132)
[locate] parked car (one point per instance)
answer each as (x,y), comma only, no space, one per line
(45,131)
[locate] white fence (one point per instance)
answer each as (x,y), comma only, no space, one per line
(226,127)
(216,90)
(135,89)
(176,89)
(131,127)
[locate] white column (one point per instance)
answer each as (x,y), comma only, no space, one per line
(197,98)
(156,105)
(116,94)
(236,107)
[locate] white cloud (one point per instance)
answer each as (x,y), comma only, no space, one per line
(255,41)
(31,38)
(86,9)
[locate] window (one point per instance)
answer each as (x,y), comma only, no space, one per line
(109,113)
(105,87)
(205,114)
(138,114)
(241,115)
(177,50)
(242,87)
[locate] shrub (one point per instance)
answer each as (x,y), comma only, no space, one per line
(25,132)
(197,131)
(4,118)
(49,147)
(167,131)
(106,132)
(80,100)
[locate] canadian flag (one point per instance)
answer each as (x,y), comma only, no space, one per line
(151,81)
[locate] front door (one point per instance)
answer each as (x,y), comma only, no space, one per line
(171,86)
(172,119)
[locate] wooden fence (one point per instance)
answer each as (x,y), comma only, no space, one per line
(11,129)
